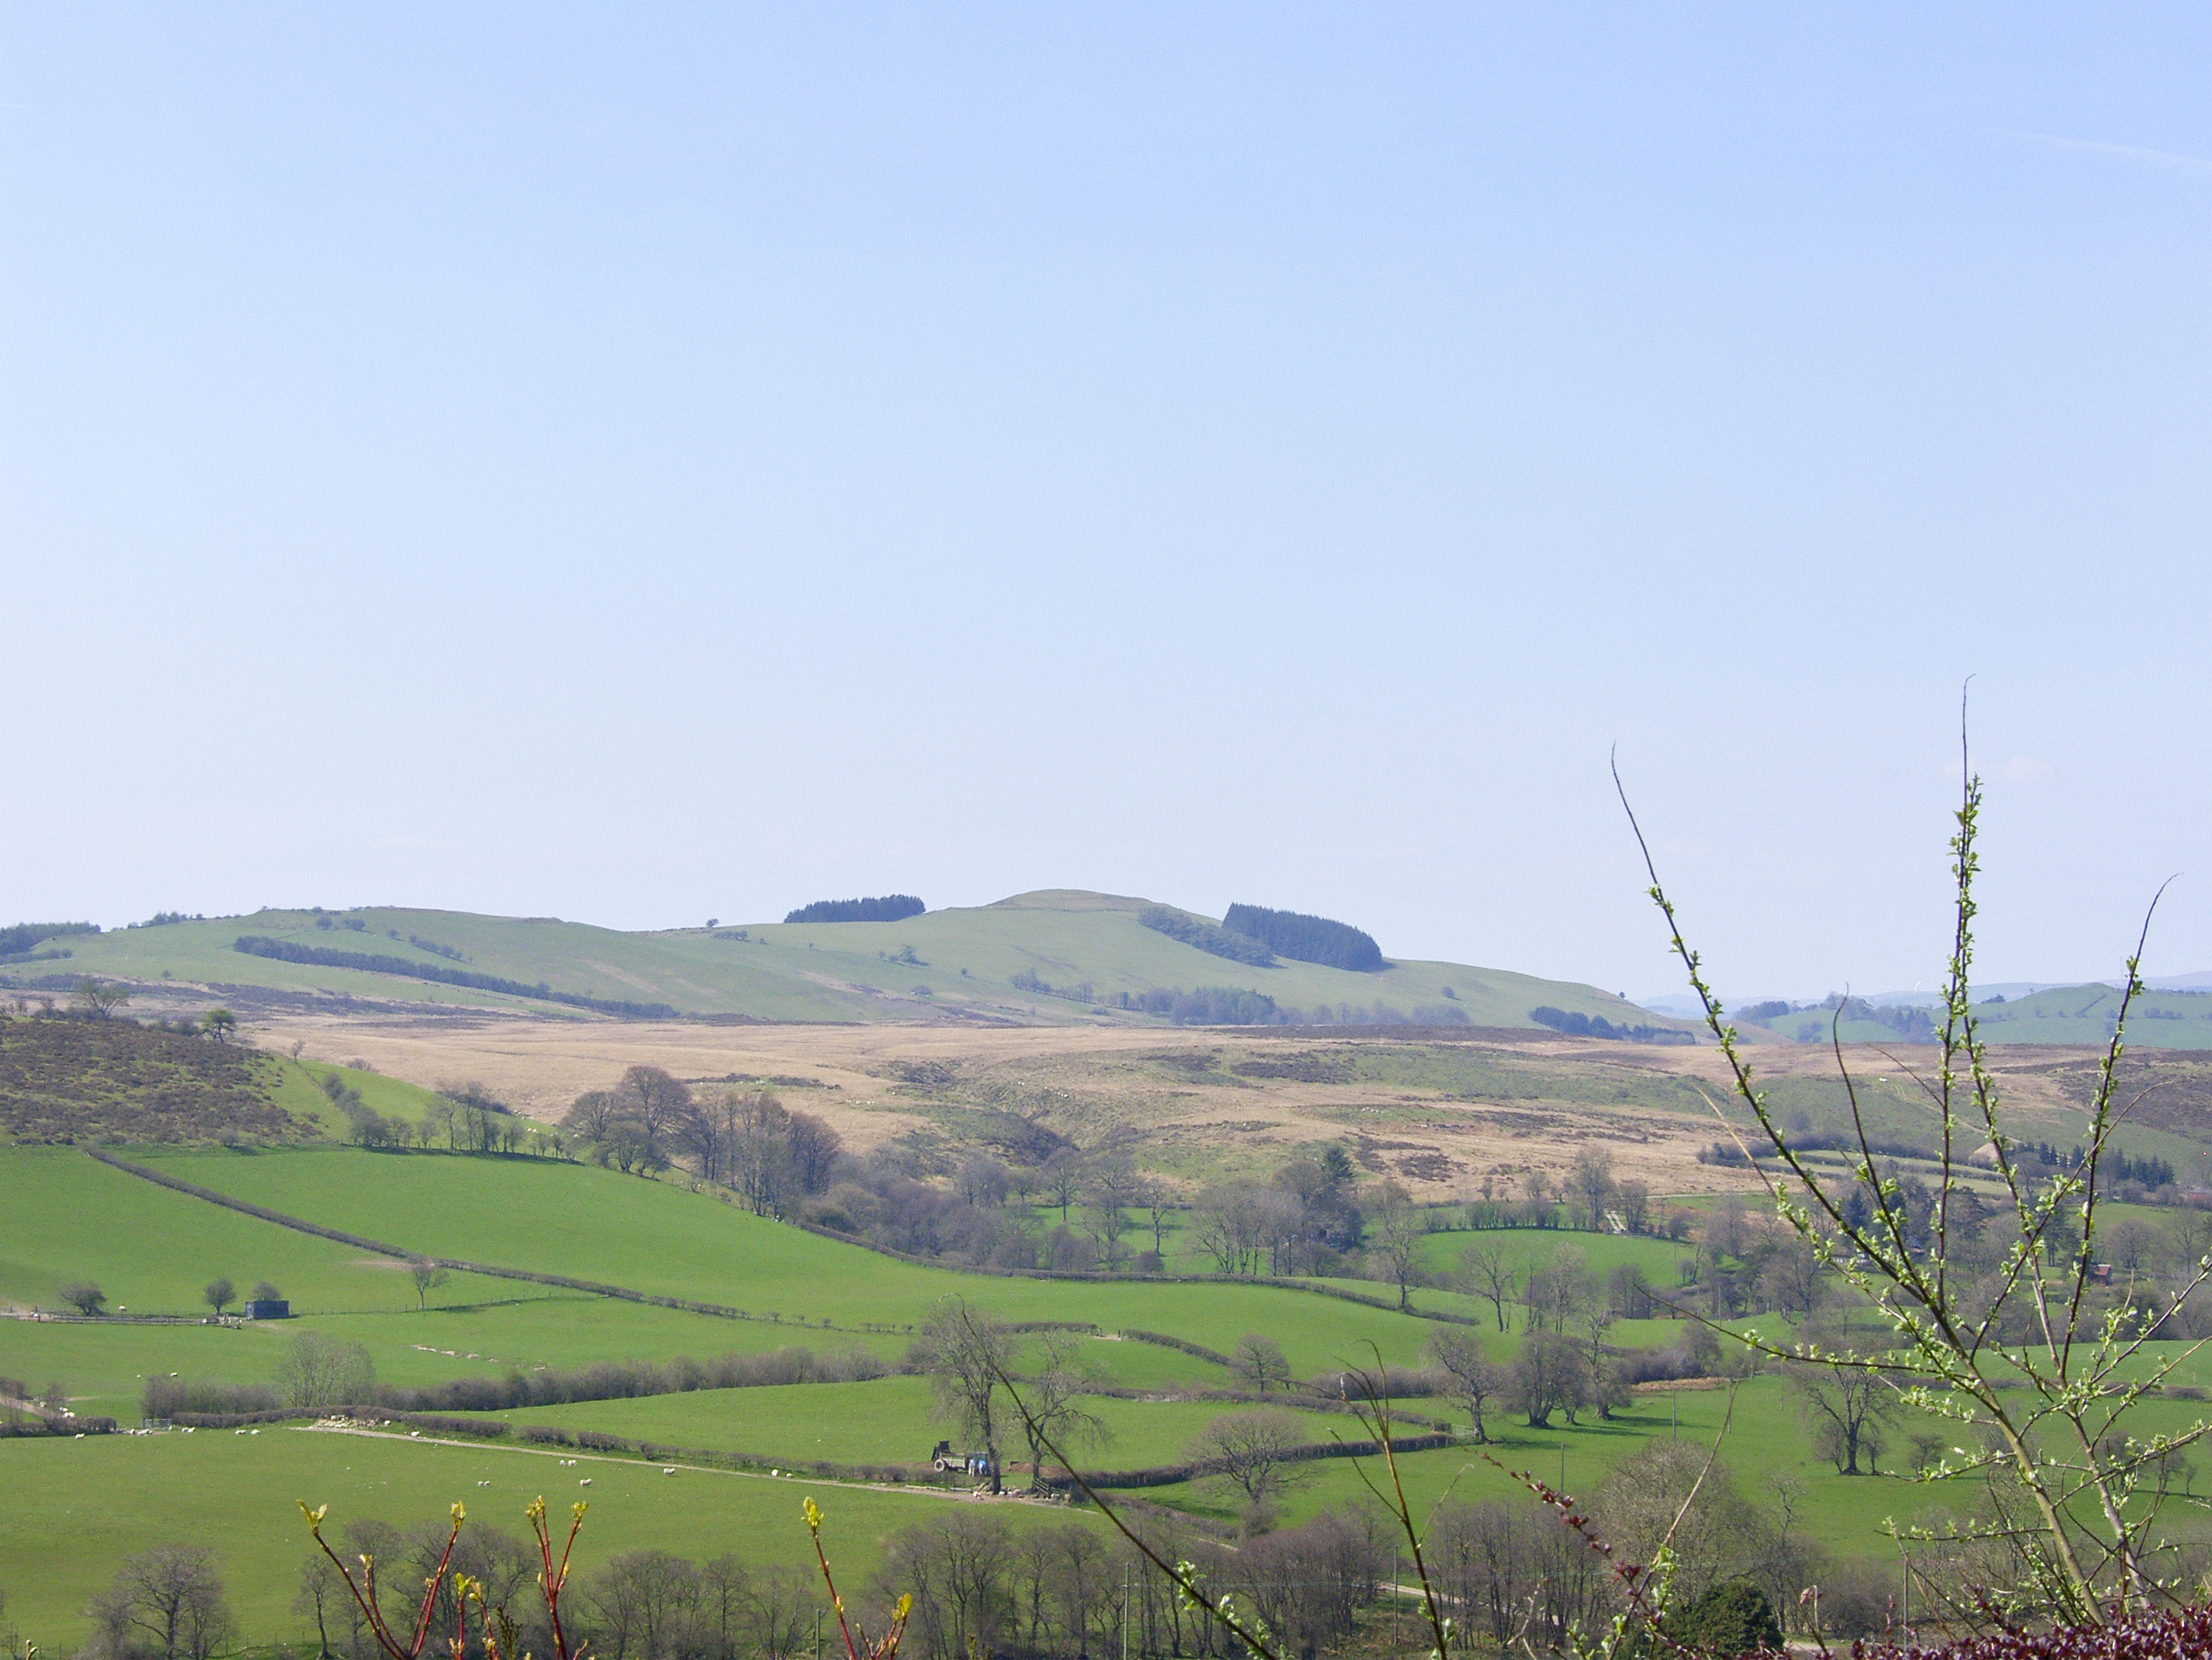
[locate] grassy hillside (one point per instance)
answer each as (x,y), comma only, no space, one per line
(117,1080)
(2084,1014)
(63,1209)
(661,1239)
(2061,1014)
(78,1507)
(63,1078)
(961,963)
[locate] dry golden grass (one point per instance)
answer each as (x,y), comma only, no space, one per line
(1178,1089)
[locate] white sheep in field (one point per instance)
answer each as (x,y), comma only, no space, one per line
(586,1483)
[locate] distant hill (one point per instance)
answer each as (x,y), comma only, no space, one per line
(1057,956)
(2050,1014)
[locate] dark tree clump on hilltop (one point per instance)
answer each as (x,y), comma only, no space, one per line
(1307,939)
(1205,1006)
(891,907)
(24,938)
(1197,931)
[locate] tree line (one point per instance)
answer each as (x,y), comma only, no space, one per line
(1307,939)
(1232,1006)
(746,1140)
(20,940)
(286,951)
(1575,1023)
(890,908)
(1197,931)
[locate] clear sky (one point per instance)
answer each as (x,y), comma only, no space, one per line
(641,464)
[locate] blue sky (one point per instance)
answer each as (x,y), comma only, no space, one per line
(647,464)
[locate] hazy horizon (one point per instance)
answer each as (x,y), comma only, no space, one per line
(644,466)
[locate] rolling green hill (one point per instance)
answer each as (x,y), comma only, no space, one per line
(2061,1014)
(1053,957)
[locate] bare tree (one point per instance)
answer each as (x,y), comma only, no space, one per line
(1548,1375)
(1476,1381)
(646,1601)
(655,1101)
(1257,1362)
(2134,1247)
(1634,1198)
(1399,1228)
(814,1150)
(323,1598)
(588,1116)
(84,1297)
(1847,1409)
(981,1181)
(1250,1450)
(1554,1292)
(1230,1221)
(317,1372)
(700,1133)
(1282,1224)
(1055,1395)
(172,1599)
(725,1592)
(99,998)
(1113,1186)
(780,1614)
(760,1152)
(1793,1279)
(1590,1180)
(1063,1175)
(219,1293)
(428,1277)
(1485,1271)
(1153,1197)
(1592,1318)
(1628,1293)
(968,1355)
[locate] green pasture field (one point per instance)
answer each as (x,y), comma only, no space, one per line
(1765,1440)
(74,1509)
(393,1097)
(888,1421)
(969,957)
(581,1220)
(569,1328)
(153,1251)
(2061,1014)
(2080,1014)
(104,1365)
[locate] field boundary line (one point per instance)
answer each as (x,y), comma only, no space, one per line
(913,1491)
(621,1293)
(722,1310)
(1079,1276)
